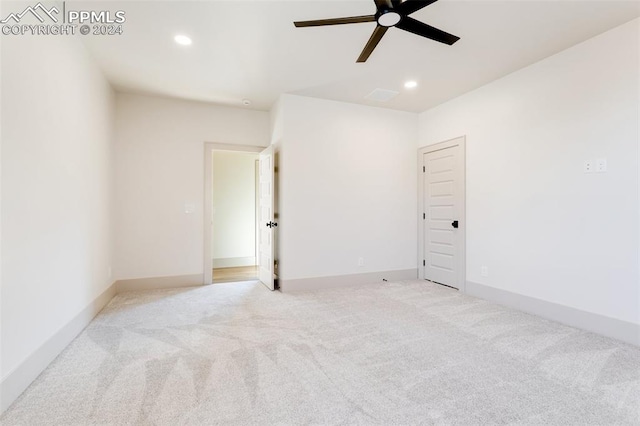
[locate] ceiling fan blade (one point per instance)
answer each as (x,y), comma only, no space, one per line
(409,6)
(383,4)
(424,30)
(336,21)
(372,43)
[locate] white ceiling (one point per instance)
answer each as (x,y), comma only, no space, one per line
(250,49)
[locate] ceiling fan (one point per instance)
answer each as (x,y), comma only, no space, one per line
(390,13)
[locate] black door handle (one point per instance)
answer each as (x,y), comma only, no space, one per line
(454,224)
(272,224)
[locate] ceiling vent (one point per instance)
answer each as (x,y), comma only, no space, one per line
(382,95)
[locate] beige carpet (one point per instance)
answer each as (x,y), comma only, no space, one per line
(389,353)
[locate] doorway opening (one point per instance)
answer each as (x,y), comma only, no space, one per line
(231,203)
(234,218)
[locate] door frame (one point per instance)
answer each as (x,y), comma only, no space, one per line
(209,147)
(462,265)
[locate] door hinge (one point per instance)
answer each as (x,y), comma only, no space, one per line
(424,169)
(424,262)
(424,216)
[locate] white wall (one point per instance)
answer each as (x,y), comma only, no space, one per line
(543,227)
(347,188)
(276,122)
(2,404)
(234,204)
(159,169)
(57,117)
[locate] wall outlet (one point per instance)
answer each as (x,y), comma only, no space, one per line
(361,261)
(588,166)
(601,165)
(484,271)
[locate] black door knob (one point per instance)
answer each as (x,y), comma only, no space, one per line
(272,224)
(454,224)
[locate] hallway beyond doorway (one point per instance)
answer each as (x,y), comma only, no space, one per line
(239,273)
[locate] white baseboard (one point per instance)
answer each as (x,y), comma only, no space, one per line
(319,283)
(157,283)
(233,262)
(17,380)
(606,326)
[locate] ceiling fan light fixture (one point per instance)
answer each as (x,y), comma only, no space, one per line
(389,19)
(411,84)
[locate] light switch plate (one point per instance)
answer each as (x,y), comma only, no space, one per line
(588,166)
(601,165)
(189,208)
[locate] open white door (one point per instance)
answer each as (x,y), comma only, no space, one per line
(266,220)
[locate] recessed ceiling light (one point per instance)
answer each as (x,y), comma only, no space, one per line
(246,102)
(411,84)
(183,40)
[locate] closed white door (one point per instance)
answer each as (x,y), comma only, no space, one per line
(443,198)
(266,225)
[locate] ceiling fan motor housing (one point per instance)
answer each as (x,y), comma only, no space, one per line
(388,18)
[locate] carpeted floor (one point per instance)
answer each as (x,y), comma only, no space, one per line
(389,353)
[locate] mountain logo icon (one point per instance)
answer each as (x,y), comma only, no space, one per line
(38,11)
